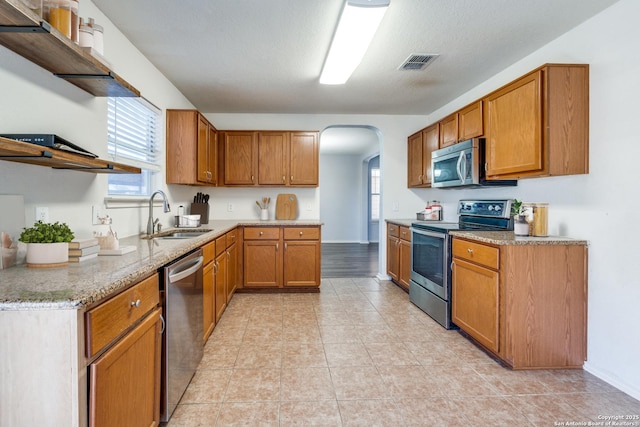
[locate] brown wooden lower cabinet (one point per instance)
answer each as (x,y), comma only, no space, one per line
(301,263)
(232,268)
(125,381)
(525,303)
(221,284)
(399,254)
(281,257)
(208,289)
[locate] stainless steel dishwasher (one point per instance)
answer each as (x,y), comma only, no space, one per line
(182,347)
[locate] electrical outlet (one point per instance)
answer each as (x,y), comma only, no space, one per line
(230,207)
(42,214)
(95,213)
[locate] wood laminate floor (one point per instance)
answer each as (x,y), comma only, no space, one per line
(349,260)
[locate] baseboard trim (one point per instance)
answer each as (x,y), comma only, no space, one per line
(348,241)
(613,380)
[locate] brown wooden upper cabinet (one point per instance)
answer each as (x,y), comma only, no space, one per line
(191,148)
(535,126)
(269,158)
(239,158)
(462,125)
(449,130)
(471,121)
(420,146)
(538,125)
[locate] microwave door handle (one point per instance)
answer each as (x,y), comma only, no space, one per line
(465,164)
(459,167)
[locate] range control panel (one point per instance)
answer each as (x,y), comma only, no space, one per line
(491,208)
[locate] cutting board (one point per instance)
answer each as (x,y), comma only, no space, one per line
(286,206)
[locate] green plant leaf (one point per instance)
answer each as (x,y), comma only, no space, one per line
(42,232)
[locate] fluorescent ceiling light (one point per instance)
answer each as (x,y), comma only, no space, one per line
(358,24)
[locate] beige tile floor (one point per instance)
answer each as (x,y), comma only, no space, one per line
(360,354)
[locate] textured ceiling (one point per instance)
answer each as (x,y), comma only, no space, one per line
(253,56)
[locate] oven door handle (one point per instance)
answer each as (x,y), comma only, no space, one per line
(429,233)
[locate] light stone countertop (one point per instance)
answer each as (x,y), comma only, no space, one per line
(509,238)
(79,285)
(499,237)
(403,222)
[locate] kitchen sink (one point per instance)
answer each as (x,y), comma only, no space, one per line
(183,234)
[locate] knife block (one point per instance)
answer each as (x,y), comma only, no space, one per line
(203,210)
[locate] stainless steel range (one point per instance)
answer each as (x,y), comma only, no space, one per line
(430,286)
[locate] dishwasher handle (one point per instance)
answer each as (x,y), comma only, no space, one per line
(184,270)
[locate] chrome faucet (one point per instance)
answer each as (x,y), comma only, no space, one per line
(151,224)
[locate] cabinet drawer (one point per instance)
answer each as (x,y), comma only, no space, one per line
(302,233)
(107,321)
(393,230)
(477,253)
(209,252)
(221,244)
(261,233)
(232,237)
(405,233)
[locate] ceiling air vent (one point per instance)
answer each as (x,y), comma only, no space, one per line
(417,61)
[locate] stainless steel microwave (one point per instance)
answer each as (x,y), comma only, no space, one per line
(463,165)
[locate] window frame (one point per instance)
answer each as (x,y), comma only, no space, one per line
(134,136)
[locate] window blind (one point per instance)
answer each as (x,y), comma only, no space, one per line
(133,135)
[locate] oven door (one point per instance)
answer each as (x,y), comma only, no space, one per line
(430,259)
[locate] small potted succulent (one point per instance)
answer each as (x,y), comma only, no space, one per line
(47,244)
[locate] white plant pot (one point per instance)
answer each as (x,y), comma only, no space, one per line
(47,254)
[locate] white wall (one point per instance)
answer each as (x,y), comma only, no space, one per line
(341,210)
(34,101)
(602,206)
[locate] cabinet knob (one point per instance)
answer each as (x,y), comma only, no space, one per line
(135,303)
(283,179)
(291,178)
(470,250)
(301,233)
(261,233)
(251,178)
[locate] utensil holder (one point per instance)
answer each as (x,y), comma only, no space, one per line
(264,214)
(202,209)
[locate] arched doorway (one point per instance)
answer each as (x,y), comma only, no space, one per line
(346,152)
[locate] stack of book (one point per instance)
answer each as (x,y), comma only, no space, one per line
(83,249)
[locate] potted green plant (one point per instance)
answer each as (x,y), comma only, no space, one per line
(516,205)
(47,244)
(520,224)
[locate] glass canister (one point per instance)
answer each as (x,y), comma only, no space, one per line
(86,35)
(98,36)
(58,14)
(34,5)
(539,225)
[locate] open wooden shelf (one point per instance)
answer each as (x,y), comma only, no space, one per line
(24,152)
(25,33)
